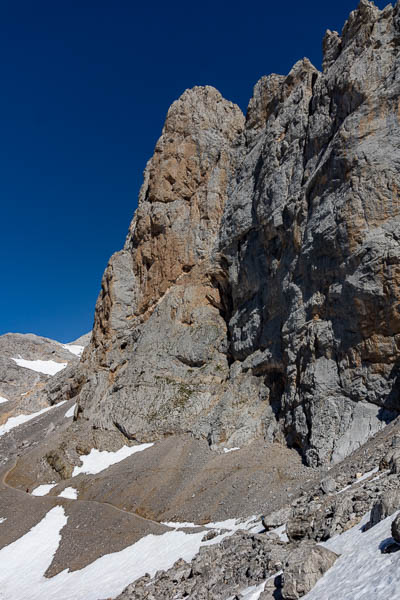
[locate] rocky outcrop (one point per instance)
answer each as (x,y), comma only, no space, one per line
(23,383)
(396,529)
(242,560)
(257,294)
(304,567)
(385,506)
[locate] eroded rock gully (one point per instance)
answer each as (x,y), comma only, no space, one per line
(257,294)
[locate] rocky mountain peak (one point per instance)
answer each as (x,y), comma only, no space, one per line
(257,292)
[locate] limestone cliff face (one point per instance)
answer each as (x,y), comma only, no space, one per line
(258,292)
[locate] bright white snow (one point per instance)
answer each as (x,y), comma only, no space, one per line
(104,578)
(362,572)
(176,525)
(43,489)
(48,367)
(20,419)
(98,460)
(74,348)
(70,493)
(3,400)
(226,450)
(70,411)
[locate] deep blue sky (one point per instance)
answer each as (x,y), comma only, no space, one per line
(85,87)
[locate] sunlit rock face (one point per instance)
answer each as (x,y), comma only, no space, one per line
(257,295)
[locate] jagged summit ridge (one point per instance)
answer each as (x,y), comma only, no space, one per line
(257,293)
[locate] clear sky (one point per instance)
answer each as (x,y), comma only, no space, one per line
(85,87)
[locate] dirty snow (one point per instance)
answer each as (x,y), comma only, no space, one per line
(3,400)
(43,489)
(280,532)
(74,348)
(98,460)
(20,419)
(104,578)
(231,525)
(362,478)
(254,592)
(48,367)
(70,493)
(226,450)
(70,411)
(251,593)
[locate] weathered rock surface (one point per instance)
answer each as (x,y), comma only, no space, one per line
(20,384)
(217,572)
(257,294)
(396,529)
(385,506)
(304,567)
(328,485)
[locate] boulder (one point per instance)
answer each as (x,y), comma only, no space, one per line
(384,507)
(304,567)
(298,528)
(328,485)
(277,518)
(394,463)
(396,529)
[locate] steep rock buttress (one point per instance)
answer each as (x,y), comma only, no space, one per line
(257,294)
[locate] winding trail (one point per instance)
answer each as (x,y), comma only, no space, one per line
(61,500)
(56,499)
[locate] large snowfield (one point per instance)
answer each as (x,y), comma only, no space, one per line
(24,562)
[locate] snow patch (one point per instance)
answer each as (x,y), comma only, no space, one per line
(176,525)
(43,489)
(104,578)
(231,525)
(98,460)
(13,422)
(70,412)
(74,348)
(254,592)
(280,532)
(362,478)
(70,493)
(48,367)
(3,400)
(362,572)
